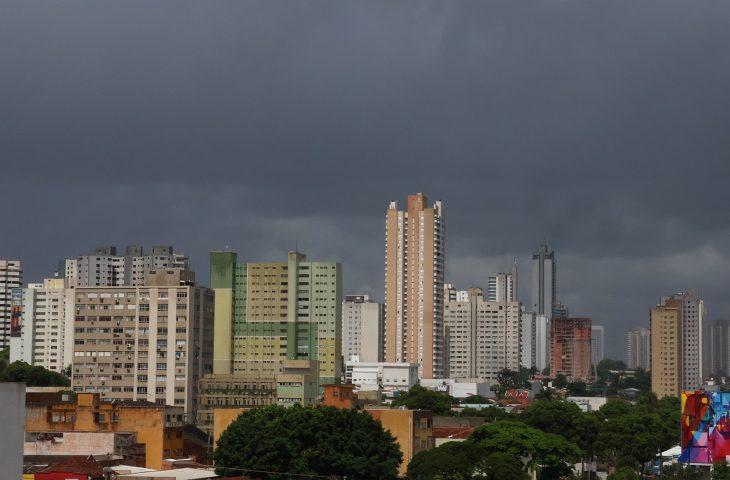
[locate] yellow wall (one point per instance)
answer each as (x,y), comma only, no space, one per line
(223,330)
(147,422)
(222,417)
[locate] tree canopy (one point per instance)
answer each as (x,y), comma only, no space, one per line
(420,398)
(311,441)
(551,454)
(450,461)
(33,375)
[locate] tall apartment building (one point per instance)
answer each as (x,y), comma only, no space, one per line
(692,320)
(503,286)
(363,329)
(666,348)
(270,312)
(150,342)
(44,313)
(414,285)
(570,348)
(720,353)
(597,342)
(544,281)
(638,348)
(482,337)
(11,276)
(534,340)
(105,268)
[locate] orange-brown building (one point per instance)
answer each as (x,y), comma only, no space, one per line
(340,396)
(154,429)
(570,348)
(414,284)
(412,429)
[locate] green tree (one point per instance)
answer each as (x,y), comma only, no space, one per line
(604,368)
(450,461)
(474,400)
(551,454)
(491,413)
(501,466)
(508,379)
(420,398)
(720,471)
(33,376)
(309,441)
(577,388)
(4,358)
(563,418)
(630,439)
(561,381)
(624,473)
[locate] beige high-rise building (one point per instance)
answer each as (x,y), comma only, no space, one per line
(482,338)
(414,285)
(149,342)
(666,351)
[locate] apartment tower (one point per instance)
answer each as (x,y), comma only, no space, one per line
(638,348)
(482,338)
(544,281)
(269,312)
(363,329)
(44,313)
(570,348)
(414,285)
(11,277)
(692,323)
(150,342)
(666,348)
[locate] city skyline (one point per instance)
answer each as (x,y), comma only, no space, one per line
(567,126)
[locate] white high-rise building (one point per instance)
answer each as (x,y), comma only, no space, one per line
(638,348)
(11,277)
(363,325)
(596,344)
(46,319)
(503,286)
(482,337)
(534,340)
(544,281)
(542,342)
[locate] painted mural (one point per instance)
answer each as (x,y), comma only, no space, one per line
(705,426)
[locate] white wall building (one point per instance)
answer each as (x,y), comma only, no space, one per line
(363,329)
(11,276)
(638,348)
(542,342)
(482,337)
(46,325)
(389,376)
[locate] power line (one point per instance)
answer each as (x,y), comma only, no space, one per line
(290,474)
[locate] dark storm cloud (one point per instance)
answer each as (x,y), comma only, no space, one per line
(601,127)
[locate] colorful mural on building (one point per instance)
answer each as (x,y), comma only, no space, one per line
(705,426)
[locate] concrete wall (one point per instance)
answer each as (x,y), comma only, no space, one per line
(12,417)
(73,443)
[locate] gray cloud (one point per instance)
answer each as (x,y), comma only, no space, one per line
(598,126)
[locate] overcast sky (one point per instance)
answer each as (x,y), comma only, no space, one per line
(601,127)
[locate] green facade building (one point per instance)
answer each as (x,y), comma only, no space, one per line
(266,313)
